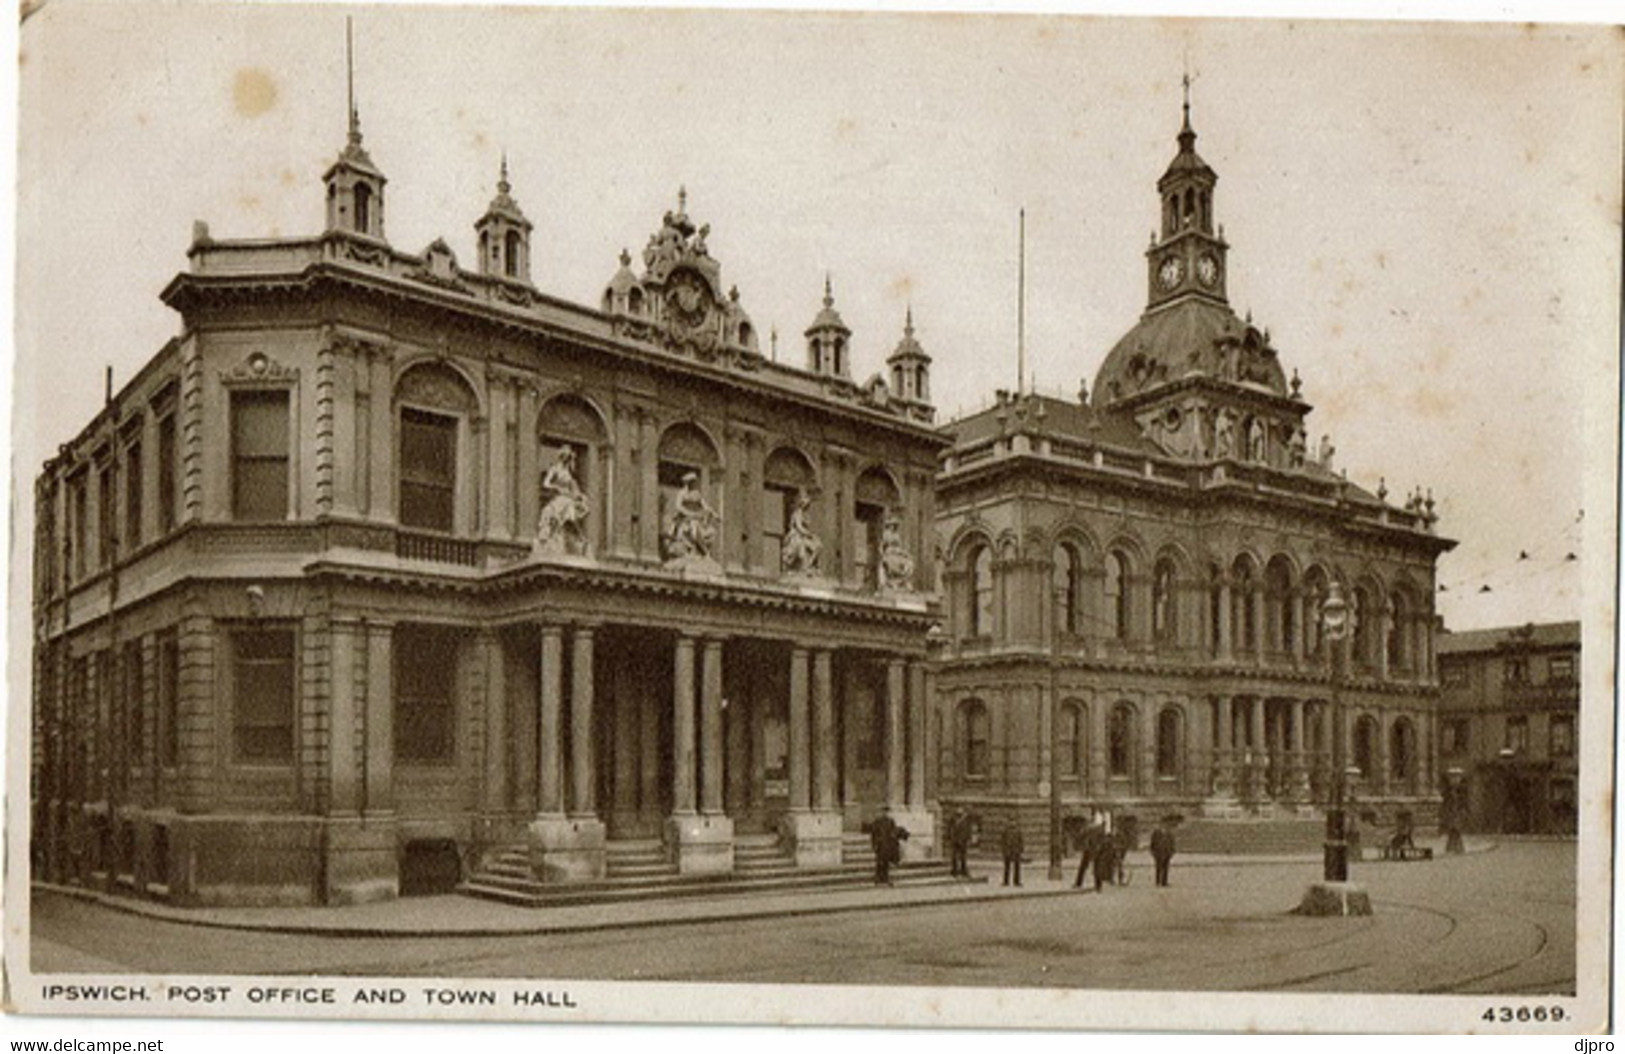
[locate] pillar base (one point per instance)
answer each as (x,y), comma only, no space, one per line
(358,862)
(1334,898)
(813,838)
(922,832)
(701,845)
(563,849)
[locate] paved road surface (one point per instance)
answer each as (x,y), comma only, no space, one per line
(1501,921)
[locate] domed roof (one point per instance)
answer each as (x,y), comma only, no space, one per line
(828,317)
(624,278)
(1187,337)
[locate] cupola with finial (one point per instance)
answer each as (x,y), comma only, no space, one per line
(1189,257)
(504,234)
(355,186)
(910,367)
(827,340)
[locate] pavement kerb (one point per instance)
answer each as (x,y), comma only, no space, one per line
(725,912)
(729,907)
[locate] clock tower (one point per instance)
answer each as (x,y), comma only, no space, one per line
(1188,258)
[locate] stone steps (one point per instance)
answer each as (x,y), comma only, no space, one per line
(500,882)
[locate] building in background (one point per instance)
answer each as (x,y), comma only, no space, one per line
(386,566)
(1509,720)
(1134,579)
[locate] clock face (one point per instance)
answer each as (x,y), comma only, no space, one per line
(1170,272)
(1207,269)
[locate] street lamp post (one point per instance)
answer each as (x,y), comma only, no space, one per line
(1334,620)
(1335,894)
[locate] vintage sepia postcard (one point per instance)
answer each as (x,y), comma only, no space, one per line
(1032,521)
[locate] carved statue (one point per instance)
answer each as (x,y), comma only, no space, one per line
(562,527)
(799,552)
(691,529)
(1257,441)
(896,565)
(1224,434)
(1296,448)
(1326,452)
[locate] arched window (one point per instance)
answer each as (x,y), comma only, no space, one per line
(1402,752)
(1315,592)
(1117,599)
(973,739)
(434,405)
(513,246)
(1244,605)
(873,495)
(363,208)
(1120,740)
(1278,588)
(1164,602)
(1360,615)
(1365,746)
(1068,584)
(786,476)
(1069,742)
(1398,642)
(981,607)
(1169,747)
(634,301)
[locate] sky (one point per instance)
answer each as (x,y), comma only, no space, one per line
(1425,216)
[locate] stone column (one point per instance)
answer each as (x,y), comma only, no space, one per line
(917,703)
(1299,604)
(896,687)
(583,771)
(682,728)
(550,727)
(380,723)
(1257,745)
(344,776)
(824,795)
(1385,722)
(1223,778)
(1297,764)
(711,728)
(800,747)
(496,723)
(649,488)
(1260,630)
(1225,652)
(1097,746)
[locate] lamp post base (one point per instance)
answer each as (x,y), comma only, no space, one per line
(1334,898)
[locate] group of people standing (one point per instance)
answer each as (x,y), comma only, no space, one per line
(1105,843)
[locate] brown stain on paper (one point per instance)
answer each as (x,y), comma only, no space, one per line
(253,92)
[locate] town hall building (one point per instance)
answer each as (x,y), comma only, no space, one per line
(1134,581)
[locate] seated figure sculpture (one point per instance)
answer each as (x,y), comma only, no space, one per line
(562,526)
(896,564)
(690,533)
(800,550)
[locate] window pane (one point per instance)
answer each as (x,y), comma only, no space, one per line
(428,470)
(264,693)
(261,489)
(166,473)
(425,709)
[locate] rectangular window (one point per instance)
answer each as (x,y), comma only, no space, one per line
(1453,736)
(1517,734)
(78,523)
(263,695)
(169,698)
(425,696)
(106,515)
(1516,671)
(428,470)
(1561,668)
(132,497)
(259,455)
(1562,732)
(166,473)
(135,706)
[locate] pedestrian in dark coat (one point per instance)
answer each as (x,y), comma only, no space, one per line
(1092,836)
(1013,844)
(960,829)
(886,838)
(1105,860)
(1162,851)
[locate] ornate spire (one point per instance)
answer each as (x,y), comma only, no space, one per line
(502,176)
(908,323)
(829,297)
(1187,135)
